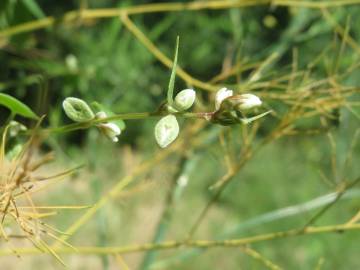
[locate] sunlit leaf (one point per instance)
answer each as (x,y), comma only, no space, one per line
(16,106)
(246,121)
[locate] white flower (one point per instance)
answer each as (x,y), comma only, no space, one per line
(72,63)
(184,99)
(242,102)
(222,94)
(15,127)
(100,115)
(110,130)
(248,101)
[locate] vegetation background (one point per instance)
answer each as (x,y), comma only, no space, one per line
(291,170)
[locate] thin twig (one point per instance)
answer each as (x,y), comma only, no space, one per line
(191,244)
(163,58)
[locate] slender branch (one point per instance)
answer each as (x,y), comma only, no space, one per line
(113,192)
(163,58)
(221,185)
(72,16)
(246,156)
(85,125)
(123,183)
(189,244)
(340,193)
(257,256)
(124,116)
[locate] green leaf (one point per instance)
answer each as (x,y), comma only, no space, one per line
(16,106)
(247,121)
(170,91)
(166,130)
(34,8)
(77,110)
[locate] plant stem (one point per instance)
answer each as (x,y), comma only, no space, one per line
(72,16)
(125,116)
(124,182)
(190,244)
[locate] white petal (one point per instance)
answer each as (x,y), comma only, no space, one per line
(249,101)
(111,130)
(101,115)
(222,94)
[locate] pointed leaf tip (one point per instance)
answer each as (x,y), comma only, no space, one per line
(170,92)
(16,106)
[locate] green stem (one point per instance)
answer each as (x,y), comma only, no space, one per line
(136,116)
(125,116)
(71,16)
(167,245)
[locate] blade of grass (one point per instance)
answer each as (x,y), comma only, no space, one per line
(170,91)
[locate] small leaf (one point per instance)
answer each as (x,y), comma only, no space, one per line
(247,121)
(166,130)
(170,91)
(16,106)
(77,110)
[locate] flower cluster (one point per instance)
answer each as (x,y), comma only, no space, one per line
(110,130)
(230,108)
(79,111)
(167,128)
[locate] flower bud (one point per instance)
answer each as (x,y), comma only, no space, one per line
(241,102)
(246,101)
(101,115)
(231,109)
(72,63)
(110,130)
(222,94)
(77,110)
(184,99)
(15,127)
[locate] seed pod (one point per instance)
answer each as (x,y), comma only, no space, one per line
(166,130)
(184,99)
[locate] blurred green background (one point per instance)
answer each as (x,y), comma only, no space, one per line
(101,60)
